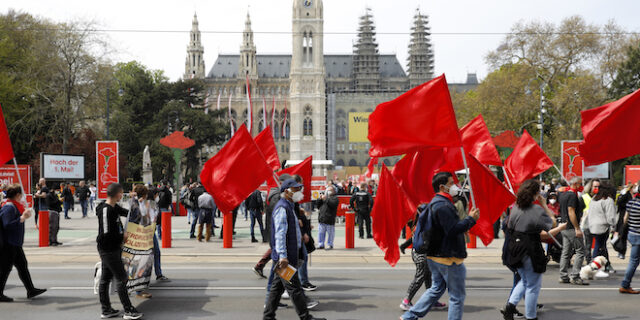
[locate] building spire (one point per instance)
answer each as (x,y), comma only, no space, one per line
(420,61)
(366,58)
(194,64)
(248,62)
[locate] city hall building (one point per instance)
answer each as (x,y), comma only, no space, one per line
(322,101)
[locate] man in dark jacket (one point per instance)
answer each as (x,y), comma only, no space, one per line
(83,193)
(110,238)
(446,251)
(195,193)
(362,202)
(328,204)
(255,205)
(67,197)
(55,206)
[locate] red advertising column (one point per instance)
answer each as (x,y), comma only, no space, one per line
(106,166)
(350,222)
(472,241)
(227,224)
(166,229)
(43,228)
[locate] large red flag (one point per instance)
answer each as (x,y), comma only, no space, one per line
(603,128)
(6,150)
(304,169)
(267,146)
(415,171)
(235,171)
(391,211)
(526,161)
(492,198)
(477,141)
(421,117)
(371,167)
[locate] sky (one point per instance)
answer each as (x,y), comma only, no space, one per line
(222,22)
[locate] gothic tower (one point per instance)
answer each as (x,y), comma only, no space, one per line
(248,63)
(420,61)
(366,58)
(194,65)
(307,87)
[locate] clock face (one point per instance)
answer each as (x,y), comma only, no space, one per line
(307,3)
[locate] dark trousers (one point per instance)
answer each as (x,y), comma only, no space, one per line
(256,216)
(14,256)
(112,267)
(263,261)
(294,288)
(364,218)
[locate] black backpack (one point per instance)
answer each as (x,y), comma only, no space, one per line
(165,198)
(423,234)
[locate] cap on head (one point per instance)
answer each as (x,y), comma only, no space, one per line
(291,183)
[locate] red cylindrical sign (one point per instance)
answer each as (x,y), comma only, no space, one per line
(350,222)
(43,228)
(227,225)
(166,229)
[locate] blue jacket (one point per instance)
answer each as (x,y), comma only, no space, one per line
(13,232)
(292,238)
(448,230)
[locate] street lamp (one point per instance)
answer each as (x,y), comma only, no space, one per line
(120,93)
(543,110)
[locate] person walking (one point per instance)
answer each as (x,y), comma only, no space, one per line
(591,188)
(67,197)
(83,193)
(13,214)
(55,207)
(362,202)
(255,205)
(632,221)
(524,251)
(602,218)
(446,251)
(286,241)
(571,208)
(207,208)
(328,204)
(92,197)
(195,193)
(110,238)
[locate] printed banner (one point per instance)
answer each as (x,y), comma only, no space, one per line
(107,162)
(9,176)
(358,126)
(631,174)
(343,205)
(318,184)
(573,164)
(62,167)
(137,255)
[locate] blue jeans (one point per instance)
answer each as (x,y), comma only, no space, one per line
(91,200)
(196,213)
(330,231)
(83,205)
(601,245)
(303,274)
(191,218)
(67,206)
(442,276)
(156,256)
(528,287)
(634,260)
(270,281)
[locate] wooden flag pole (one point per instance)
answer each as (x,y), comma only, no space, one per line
(464,159)
(24,194)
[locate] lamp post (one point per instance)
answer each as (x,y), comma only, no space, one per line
(120,93)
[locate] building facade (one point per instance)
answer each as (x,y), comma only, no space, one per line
(315,102)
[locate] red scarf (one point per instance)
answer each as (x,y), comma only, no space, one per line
(446,195)
(18,205)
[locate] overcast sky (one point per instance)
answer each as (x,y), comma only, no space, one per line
(455,55)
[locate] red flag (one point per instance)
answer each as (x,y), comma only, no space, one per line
(415,171)
(370,167)
(492,198)
(264,141)
(477,141)
(526,161)
(304,170)
(421,117)
(235,171)
(6,151)
(603,128)
(391,211)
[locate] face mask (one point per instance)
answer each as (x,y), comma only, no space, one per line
(297,196)
(595,190)
(580,189)
(454,190)
(634,190)
(552,201)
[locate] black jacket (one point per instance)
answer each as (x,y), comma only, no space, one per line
(67,195)
(328,210)
(361,202)
(83,193)
(110,229)
(53,202)
(448,230)
(254,201)
(195,193)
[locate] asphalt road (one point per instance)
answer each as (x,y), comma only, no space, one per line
(224,291)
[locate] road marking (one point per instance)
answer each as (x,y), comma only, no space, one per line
(263,288)
(582,288)
(170,288)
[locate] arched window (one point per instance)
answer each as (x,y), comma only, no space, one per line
(276,130)
(342,130)
(340,163)
(261,125)
(307,128)
(287,130)
(353,163)
(233,120)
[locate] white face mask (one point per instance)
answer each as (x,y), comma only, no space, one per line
(635,189)
(552,201)
(454,190)
(297,196)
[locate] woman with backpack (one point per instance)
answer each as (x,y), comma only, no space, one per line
(601,218)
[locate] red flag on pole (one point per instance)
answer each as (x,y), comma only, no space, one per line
(6,151)
(264,141)
(235,171)
(477,141)
(370,167)
(526,161)
(493,199)
(603,127)
(304,169)
(391,211)
(421,117)
(414,173)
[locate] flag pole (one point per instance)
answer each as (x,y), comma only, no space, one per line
(506,178)
(464,159)
(560,172)
(15,165)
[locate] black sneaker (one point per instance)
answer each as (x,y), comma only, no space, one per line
(132,314)
(35,293)
(111,313)
(4,298)
(564,280)
(162,279)
(309,287)
(258,272)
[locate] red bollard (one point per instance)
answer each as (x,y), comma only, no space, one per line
(166,229)
(227,224)
(472,241)
(43,228)
(350,222)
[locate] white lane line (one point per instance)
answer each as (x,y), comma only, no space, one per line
(170,288)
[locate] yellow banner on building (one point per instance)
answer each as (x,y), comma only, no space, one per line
(358,126)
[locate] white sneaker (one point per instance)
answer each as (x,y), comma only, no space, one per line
(285,295)
(601,274)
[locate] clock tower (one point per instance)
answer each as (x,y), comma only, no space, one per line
(307,87)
